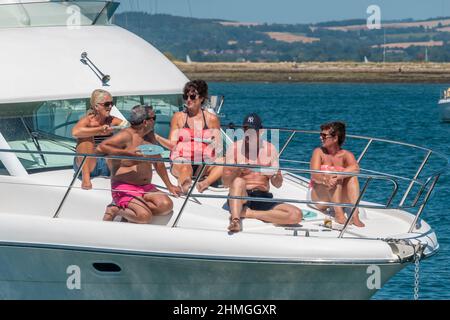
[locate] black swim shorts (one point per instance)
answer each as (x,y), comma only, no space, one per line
(260,205)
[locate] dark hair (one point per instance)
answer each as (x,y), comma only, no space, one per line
(139,114)
(197,85)
(336,129)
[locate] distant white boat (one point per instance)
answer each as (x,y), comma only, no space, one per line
(444,106)
(188,59)
(366,60)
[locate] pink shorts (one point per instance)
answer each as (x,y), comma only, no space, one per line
(123,193)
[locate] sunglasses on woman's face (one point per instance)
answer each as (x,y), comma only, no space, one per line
(190,96)
(325,136)
(107,104)
(151,118)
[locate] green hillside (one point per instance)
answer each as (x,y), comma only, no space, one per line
(214,40)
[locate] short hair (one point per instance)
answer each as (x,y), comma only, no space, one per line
(336,129)
(139,114)
(98,95)
(197,85)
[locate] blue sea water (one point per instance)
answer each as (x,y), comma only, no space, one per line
(401,112)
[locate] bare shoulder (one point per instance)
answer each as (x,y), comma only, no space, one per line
(86,120)
(177,117)
(212,118)
(124,135)
(347,153)
(318,152)
(210,115)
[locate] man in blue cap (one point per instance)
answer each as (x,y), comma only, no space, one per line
(255,182)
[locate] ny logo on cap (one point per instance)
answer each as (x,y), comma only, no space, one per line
(251,119)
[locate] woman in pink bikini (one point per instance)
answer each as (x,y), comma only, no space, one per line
(192,137)
(332,187)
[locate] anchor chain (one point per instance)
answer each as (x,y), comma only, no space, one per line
(417,256)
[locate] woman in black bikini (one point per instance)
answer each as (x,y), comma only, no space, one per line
(90,131)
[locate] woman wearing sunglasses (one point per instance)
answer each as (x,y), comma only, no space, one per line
(90,131)
(332,187)
(191,138)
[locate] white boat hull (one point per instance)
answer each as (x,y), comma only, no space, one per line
(196,260)
(444,109)
(40,273)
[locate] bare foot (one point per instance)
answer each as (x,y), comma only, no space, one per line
(358,222)
(339,218)
(235,225)
(86,185)
(202,186)
(110,213)
(185,185)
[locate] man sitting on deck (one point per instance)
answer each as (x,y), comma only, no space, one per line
(136,198)
(253,150)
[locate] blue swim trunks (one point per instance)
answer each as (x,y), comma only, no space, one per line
(100,170)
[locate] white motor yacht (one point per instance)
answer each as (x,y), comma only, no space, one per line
(54,244)
(444,106)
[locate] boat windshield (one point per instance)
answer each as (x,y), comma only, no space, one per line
(47,126)
(73,14)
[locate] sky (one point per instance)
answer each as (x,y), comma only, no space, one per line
(291,11)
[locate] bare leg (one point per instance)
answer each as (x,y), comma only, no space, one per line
(237,189)
(351,195)
(184,174)
(320,193)
(337,197)
(136,212)
(280,214)
(213,174)
(86,147)
(111,213)
(160,205)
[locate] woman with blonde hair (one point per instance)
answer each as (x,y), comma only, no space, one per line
(90,131)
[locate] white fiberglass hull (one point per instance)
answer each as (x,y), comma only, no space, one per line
(196,260)
(444,109)
(40,273)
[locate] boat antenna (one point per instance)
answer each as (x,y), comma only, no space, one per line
(103,77)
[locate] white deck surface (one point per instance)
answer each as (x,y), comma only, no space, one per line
(200,213)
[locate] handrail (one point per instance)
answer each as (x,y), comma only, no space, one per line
(361,156)
(350,216)
(405,196)
(419,212)
(188,196)
(75,177)
(434,176)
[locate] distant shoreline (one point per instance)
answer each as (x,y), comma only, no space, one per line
(326,72)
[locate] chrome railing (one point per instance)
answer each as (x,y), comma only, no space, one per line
(426,185)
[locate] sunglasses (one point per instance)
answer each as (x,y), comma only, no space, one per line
(107,104)
(190,96)
(151,118)
(325,136)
